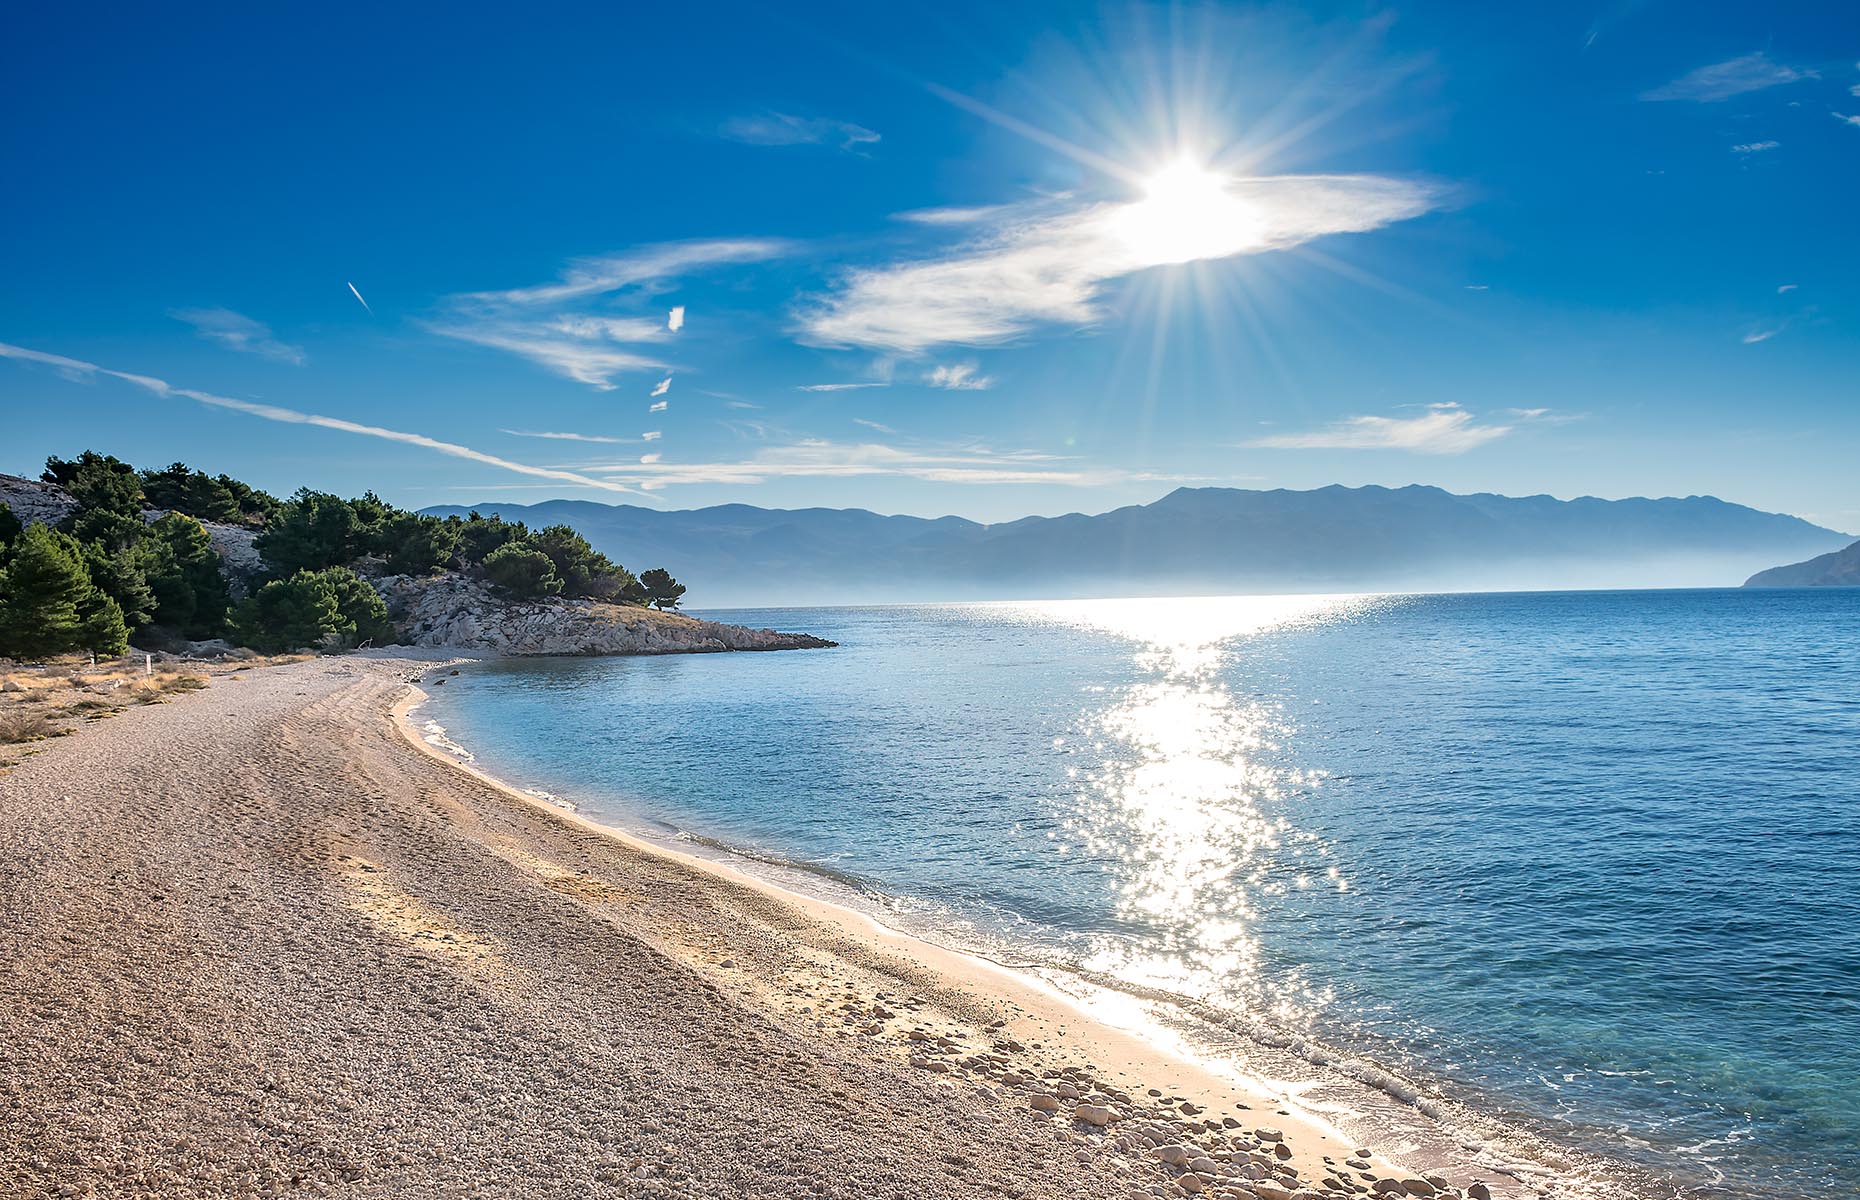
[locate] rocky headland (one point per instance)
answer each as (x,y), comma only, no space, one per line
(1839,569)
(455,611)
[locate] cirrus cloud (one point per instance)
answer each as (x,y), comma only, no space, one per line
(1733,77)
(1442,429)
(236,331)
(548,324)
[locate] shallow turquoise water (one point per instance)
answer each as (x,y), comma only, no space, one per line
(1587,860)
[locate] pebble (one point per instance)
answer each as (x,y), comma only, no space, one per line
(1478,1191)
(1094,1114)
(1269,1135)
(1043,1103)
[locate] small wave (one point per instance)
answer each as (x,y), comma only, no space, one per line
(551,798)
(434,734)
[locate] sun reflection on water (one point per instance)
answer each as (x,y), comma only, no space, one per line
(1185,795)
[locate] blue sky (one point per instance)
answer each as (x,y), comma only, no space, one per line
(989,260)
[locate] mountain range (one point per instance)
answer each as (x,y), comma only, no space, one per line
(1192,541)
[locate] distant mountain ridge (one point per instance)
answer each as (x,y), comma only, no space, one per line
(1840,568)
(1193,540)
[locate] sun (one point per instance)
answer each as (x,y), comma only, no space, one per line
(1188,212)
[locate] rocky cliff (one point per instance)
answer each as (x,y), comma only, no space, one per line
(1839,569)
(456,611)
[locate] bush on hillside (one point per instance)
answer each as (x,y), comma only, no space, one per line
(479,536)
(313,530)
(328,609)
(416,545)
(522,571)
(179,488)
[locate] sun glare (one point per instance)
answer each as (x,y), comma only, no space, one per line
(1187,212)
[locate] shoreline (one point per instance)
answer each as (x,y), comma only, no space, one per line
(1049,1014)
(267,938)
(1118,1029)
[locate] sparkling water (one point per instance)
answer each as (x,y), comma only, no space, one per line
(1585,863)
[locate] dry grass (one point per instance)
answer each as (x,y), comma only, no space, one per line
(26,726)
(42,701)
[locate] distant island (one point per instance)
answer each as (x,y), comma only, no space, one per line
(95,554)
(1194,541)
(1840,568)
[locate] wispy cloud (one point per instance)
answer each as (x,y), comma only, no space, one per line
(785,129)
(235,331)
(635,268)
(837,387)
(652,436)
(358,296)
(567,437)
(820,458)
(1843,117)
(1048,261)
(76,368)
(1754,147)
(1734,77)
(1763,335)
(541,323)
(873,425)
(1786,288)
(955,215)
(1442,429)
(959,377)
(663,386)
(661,406)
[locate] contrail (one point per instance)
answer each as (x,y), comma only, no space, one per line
(291,416)
(358,296)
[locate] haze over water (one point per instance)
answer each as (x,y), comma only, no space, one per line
(1587,860)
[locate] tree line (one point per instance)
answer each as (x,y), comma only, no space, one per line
(108,573)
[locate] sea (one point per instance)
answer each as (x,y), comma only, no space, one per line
(1556,889)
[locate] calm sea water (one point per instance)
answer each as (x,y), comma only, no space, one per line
(1585,863)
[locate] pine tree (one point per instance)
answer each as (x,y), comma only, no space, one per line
(45,595)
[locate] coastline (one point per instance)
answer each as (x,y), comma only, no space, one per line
(289,952)
(1043,1015)
(1428,1125)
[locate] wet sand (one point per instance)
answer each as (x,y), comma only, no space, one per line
(261,939)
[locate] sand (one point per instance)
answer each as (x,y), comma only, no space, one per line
(259,939)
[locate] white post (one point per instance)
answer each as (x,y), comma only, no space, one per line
(148,664)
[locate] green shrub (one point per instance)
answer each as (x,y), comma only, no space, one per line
(479,536)
(522,571)
(181,489)
(417,545)
(312,531)
(329,609)
(361,610)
